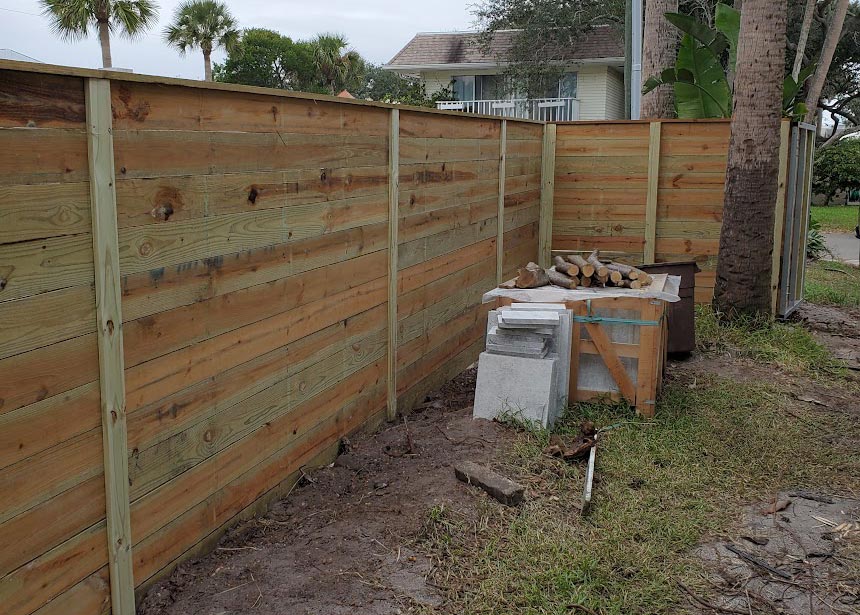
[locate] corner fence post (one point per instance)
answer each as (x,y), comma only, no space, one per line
(779,214)
(393,223)
(650,250)
(500,236)
(547,190)
(109,328)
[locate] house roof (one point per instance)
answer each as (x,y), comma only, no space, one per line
(459,48)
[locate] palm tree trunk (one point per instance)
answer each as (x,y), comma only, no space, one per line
(659,47)
(746,241)
(104,41)
(804,36)
(834,33)
(207,65)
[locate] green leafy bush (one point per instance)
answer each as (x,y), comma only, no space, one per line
(837,168)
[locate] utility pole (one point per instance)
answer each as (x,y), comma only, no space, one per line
(635,88)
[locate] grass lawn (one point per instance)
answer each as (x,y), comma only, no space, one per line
(836,219)
(832,283)
(720,441)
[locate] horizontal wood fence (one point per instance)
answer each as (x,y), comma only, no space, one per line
(201,290)
(646,191)
(204,287)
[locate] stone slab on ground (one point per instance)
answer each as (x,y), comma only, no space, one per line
(519,387)
(503,489)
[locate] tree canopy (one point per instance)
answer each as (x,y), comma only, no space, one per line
(837,168)
(268,59)
(387,86)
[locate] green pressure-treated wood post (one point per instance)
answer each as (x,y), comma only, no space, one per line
(393,222)
(547,190)
(654,137)
(109,328)
(500,235)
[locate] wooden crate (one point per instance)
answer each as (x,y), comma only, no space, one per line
(618,350)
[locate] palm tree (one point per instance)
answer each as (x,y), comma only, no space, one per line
(71,19)
(206,24)
(746,240)
(659,47)
(338,69)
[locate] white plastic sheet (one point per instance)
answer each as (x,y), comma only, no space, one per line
(663,286)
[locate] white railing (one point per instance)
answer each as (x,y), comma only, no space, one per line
(546,109)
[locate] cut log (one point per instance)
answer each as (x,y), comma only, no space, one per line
(629,272)
(565,267)
(584,267)
(622,284)
(634,284)
(615,276)
(560,279)
(585,281)
(531,276)
(599,268)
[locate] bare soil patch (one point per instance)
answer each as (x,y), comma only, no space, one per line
(342,542)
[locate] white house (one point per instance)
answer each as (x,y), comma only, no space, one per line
(592,87)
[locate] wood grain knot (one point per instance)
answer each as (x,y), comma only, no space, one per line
(162,213)
(252,195)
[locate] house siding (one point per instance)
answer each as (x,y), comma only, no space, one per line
(615,95)
(600,88)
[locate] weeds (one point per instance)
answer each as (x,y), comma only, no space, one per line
(832,283)
(787,345)
(664,485)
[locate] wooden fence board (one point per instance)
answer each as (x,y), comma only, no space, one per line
(39,211)
(41,101)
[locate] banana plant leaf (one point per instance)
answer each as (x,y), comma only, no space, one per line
(707,36)
(728,22)
(701,88)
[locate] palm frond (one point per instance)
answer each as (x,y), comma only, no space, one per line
(204,24)
(132,17)
(70,19)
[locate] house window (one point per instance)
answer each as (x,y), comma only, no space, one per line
(567,86)
(463,87)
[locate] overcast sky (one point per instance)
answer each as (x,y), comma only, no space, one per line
(375,28)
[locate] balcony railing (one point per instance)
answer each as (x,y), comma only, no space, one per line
(546,109)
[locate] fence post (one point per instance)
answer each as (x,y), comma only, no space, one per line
(547,190)
(779,214)
(393,223)
(651,198)
(500,235)
(109,328)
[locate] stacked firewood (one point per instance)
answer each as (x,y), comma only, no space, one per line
(573,271)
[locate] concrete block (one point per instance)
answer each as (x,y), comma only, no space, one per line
(561,343)
(520,387)
(503,489)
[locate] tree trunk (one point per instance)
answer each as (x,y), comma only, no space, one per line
(104,41)
(804,36)
(834,33)
(659,48)
(207,65)
(746,241)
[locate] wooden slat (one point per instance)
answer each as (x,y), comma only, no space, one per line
(548,154)
(613,363)
(779,214)
(42,155)
(500,211)
(651,198)
(110,343)
(41,101)
(40,211)
(393,241)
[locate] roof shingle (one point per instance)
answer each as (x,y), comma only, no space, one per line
(435,48)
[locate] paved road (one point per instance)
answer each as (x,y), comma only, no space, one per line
(844,246)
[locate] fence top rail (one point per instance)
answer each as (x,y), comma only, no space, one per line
(115,75)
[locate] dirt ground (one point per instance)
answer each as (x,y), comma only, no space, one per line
(347,539)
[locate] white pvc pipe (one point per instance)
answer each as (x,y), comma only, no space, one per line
(636,64)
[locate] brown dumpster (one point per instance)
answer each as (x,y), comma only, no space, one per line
(682,314)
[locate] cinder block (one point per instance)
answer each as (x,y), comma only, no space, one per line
(520,387)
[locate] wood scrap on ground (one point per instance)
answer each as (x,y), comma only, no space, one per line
(574,271)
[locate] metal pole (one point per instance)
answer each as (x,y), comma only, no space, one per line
(636,68)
